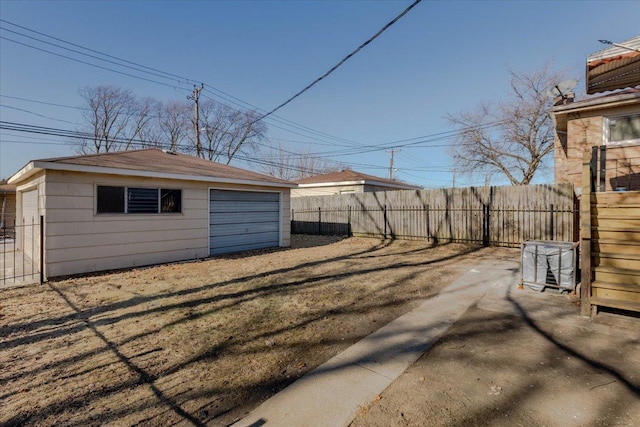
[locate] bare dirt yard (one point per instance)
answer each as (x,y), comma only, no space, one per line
(204,342)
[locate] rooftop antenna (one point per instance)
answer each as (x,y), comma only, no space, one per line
(609,42)
(561,93)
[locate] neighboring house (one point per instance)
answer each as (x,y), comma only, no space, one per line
(612,121)
(597,148)
(346,181)
(617,67)
(134,208)
(7,207)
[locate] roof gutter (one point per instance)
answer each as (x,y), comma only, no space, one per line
(597,103)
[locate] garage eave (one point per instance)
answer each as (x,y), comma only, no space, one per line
(26,172)
(35,166)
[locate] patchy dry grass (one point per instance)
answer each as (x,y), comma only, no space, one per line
(204,342)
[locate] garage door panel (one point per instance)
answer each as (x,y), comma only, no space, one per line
(244,206)
(222,245)
(235,229)
(240,248)
(268,237)
(235,196)
(226,218)
(241,221)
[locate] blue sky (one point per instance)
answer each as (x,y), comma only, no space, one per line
(442,57)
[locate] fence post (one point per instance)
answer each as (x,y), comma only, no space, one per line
(384,219)
(603,167)
(41,261)
(551,224)
(485,224)
(319,221)
(426,208)
(585,235)
(593,171)
(349,221)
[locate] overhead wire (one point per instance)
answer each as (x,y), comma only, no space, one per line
(345,59)
(153,71)
(135,142)
(349,150)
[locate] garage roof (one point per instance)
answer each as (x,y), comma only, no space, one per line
(154,163)
(617,67)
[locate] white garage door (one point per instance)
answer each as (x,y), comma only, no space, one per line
(243,220)
(30,224)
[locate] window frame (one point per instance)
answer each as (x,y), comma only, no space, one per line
(126,193)
(607,130)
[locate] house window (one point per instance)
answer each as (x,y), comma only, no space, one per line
(624,129)
(110,199)
(142,200)
(170,201)
(138,200)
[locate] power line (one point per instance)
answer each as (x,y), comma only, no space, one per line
(154,71)
(345,59)
(90,50)
(36,114)
(43,102)
(42,130)
(89,63)
(71,134)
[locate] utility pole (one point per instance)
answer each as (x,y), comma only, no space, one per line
(195,97)
(454,178)
(393,150)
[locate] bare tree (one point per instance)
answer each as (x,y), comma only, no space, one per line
(285,164)
(117,120)
(226,132)
(108,119)
(174,125)
(513,137)
(143,130)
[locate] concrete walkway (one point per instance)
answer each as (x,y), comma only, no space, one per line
(16,268)
(331,394)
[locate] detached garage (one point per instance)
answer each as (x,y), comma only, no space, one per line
(143,207)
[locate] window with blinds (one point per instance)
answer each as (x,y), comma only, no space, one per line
(138,200)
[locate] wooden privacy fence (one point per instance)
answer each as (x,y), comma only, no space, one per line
(610,229)
(499,216)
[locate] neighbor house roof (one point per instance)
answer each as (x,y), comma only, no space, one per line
(7,188)
(152,163)
(617,67)
(350,177)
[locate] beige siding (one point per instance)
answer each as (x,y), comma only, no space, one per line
(326,191)
(78,240)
